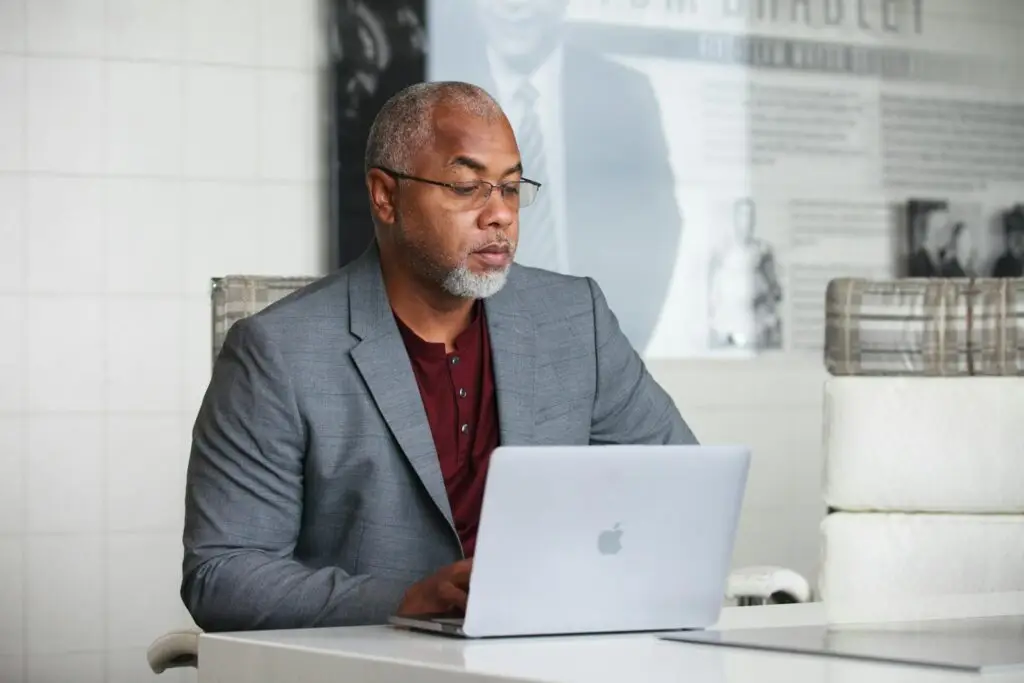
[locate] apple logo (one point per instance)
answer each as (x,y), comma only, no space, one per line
(609,541)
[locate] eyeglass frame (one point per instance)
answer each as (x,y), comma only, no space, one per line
(398,175)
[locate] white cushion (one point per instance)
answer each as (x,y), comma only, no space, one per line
(923,444)
(869,556)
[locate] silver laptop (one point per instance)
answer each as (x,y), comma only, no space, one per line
(601,539)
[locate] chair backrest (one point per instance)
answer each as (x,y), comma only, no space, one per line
(238,296)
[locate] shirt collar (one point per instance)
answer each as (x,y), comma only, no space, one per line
(417,346)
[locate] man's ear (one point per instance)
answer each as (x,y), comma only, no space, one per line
(381,188)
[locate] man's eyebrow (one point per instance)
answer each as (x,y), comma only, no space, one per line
(518,168)
(475,165)
(468,162)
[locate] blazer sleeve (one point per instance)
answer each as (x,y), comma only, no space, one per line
(243,507)
(629,407)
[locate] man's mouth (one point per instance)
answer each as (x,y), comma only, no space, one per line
(494,254)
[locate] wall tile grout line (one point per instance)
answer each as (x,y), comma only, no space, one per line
(134,531)
(238,66)
(261,86)
(182,245)
(105,439)
(25,414)
(171,178)
(26,340)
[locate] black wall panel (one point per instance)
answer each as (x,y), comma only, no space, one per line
(377,48)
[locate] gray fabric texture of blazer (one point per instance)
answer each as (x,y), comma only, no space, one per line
(314,494)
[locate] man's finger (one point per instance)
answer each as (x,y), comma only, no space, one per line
(452,594)
(461,571)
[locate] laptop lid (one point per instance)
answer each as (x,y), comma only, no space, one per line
(590,539)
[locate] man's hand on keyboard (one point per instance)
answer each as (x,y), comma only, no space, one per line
(442,593)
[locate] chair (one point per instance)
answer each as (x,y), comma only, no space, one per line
(923,408)
(236,297)
(923,484)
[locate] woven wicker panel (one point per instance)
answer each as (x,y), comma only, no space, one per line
(930,327)
(238,296)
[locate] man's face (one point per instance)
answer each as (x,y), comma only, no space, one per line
(521,29)
(936,232)
(963,245)
(456,241)
(743,222)
(1015,242)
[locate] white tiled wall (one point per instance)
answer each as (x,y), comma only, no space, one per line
(145,146)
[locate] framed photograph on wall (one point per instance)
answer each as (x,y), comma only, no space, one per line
(945,239)
(963,239)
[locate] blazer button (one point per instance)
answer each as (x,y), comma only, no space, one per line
(462,393)
(455,360)
(465,429)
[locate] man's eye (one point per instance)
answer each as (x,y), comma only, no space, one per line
(464,190)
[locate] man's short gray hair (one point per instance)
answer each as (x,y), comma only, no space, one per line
(403,125)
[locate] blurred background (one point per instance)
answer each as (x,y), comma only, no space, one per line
(713,163)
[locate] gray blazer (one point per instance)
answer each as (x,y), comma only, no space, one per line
(314,495)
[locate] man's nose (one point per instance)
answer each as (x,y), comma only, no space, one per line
(497,210)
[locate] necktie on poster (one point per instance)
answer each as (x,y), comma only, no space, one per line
(537,240)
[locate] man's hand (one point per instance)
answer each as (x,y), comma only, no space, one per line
(444,592)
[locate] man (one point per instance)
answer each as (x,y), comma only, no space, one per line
(745,292)
(590,129)
(931,232)
(339,456)
(958,257)
(1010,263)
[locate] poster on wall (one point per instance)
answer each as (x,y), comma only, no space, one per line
(377,48)
(714,163)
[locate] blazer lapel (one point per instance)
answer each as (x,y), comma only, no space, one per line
(383,362)
(513,343)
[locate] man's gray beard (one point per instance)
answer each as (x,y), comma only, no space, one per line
(460,281)
(464,283)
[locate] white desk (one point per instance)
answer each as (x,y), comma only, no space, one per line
(385,655)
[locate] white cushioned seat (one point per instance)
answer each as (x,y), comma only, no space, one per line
(868,556)
(924,444)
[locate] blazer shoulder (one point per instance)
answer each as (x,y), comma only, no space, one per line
(531,281)
(546,293)
(304,309)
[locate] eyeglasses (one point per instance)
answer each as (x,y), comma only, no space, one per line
(475,193)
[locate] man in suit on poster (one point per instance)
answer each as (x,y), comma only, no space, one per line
(590,130)
(1011,261)
(930,228)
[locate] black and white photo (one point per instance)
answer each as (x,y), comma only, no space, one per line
(938,245)
(745,293)
(957,239)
